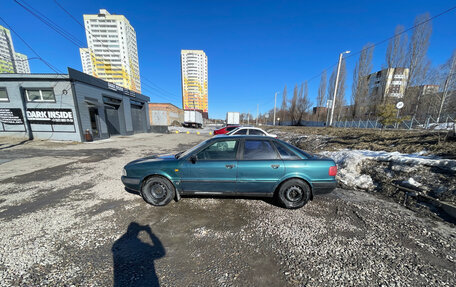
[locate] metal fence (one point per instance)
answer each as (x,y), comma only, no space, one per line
(425,124)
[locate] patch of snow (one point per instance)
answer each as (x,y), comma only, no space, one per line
(413,182)
(349,165)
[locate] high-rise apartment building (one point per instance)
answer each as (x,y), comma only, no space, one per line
(112,52)
(22,64)
(194,80)
(10,60)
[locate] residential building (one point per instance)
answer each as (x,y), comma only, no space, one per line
(22,64)
(423,90)
(112,52)
(194,80)
(387,83)
(10,60)
(69,107)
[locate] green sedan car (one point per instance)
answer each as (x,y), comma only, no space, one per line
(233,166)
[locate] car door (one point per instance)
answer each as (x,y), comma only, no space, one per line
(259,167)
(214,170)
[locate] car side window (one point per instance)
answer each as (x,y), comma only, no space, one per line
(256,132)
(220,150)
(241,132)
(258,149)
(285,153)
(231,128)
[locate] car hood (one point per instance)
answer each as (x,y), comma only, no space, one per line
(154,158)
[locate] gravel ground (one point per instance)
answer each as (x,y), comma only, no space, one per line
(67,220)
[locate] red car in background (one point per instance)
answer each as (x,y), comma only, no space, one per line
(225,130)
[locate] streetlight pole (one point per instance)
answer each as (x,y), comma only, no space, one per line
(258,108)
(333,104)
(275,103)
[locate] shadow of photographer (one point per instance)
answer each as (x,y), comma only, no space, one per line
(133,258)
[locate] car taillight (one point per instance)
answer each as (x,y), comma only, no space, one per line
(332,170)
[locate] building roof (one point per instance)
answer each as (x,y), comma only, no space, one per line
(164,104)
(74,75)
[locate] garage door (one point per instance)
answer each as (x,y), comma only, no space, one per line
(138,119)
(112,120)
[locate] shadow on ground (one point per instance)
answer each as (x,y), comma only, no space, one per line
(134,258)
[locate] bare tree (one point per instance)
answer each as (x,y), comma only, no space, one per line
(360,83)
(304,103)
(321,93)
(417,50)
(417,61)
(283,108)
(292,109)
(396,51)
(449,83)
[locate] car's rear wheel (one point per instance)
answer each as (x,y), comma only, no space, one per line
(293,193)
(157,191)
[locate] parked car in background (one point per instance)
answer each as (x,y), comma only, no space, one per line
(250,131)
(225,130)
(233,166)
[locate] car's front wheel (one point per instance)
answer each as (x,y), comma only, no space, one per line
(293,193)
(157,191)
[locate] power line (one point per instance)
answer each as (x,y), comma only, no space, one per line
(387,39)
(57,71)
(73,39)
(152,85)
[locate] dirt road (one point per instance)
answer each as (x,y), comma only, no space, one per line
(67,220)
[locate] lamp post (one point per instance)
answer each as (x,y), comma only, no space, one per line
(335,88)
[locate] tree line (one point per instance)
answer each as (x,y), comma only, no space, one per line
(429,91)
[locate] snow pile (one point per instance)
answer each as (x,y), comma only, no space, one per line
(353,169)
(349,169)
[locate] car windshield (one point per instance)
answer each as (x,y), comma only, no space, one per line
(233,131)
(190,150)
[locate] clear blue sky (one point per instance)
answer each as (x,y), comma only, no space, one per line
(254,48)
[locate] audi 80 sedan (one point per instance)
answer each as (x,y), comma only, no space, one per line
(254,166)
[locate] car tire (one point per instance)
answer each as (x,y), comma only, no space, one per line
(158,191)
(293,193)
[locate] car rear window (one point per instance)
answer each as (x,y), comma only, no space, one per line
(285,153)
(240,132)
(258,150)
(231,128)
(256,132)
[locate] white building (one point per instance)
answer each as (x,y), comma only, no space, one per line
(22,64)
(112,52)
(10,61)
(194,80)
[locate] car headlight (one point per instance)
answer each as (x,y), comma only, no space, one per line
(124,172)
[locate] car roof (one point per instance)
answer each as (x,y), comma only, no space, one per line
(251,128)
(244,136)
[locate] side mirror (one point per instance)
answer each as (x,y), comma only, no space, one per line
(193,159)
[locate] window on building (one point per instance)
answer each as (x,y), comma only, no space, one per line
(3,95)
(40,95)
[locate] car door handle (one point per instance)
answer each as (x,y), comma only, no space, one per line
(230,166)
(275,166)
